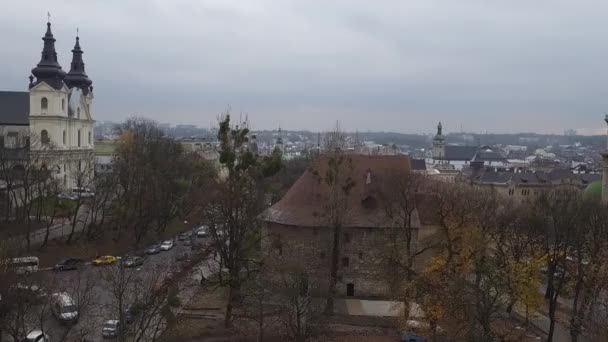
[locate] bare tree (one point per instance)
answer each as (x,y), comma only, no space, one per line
(399,198)
(557,213)
(236,200)
(140,301)
(300,314)
(337,177)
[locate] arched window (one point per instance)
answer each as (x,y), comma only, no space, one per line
(44,137)
(44,103)
(64,137)
(89,138)
(78,112)
(78,138)
(63,105)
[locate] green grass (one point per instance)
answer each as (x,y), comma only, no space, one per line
(64,206)
(105,147)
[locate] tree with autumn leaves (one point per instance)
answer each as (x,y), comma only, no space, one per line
(492,256)
(480,264)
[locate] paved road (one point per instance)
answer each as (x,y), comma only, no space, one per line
(103,308)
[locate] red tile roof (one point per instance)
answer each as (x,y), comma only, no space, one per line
(305,202)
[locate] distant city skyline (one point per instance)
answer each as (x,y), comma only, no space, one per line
(395,66)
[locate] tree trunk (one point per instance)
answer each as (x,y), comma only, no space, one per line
(552,307)
(228,316)
(333,277)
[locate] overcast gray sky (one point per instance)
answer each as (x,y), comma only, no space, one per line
(402,65)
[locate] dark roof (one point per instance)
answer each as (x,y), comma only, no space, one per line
(77,77)
(418,164)
(517,155)
(48,69)
(303,204)
(454,152)
(488,156)
(488,176)
(14,108)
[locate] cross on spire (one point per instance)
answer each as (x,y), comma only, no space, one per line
(48,17)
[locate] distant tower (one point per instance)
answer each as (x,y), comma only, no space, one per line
(439,144)
(605,171)
(253,144)
(279,142)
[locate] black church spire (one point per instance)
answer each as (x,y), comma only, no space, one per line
(77,77)
(48,69)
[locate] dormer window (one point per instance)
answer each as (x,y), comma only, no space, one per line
(44,103)
(78,112)
(63,105)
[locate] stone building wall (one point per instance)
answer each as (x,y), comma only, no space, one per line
(362,263)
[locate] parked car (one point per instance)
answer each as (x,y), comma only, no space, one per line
(63,307)
(188,242)
(154,249)
(83,192)
(36,336)
(67,264)
(184,236)
(133,261)
(202,231)
(110,328)
(67,196)
(166,245)
(104,260)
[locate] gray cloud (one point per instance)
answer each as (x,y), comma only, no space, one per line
(380,65)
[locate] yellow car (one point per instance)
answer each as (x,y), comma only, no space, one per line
(104,260)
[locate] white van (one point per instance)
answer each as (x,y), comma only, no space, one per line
(63,307)
(24,264)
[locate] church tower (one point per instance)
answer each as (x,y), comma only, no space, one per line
(438,144)
(605,170)
(279,143)
(61,124)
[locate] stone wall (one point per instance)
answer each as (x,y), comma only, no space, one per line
(363,260)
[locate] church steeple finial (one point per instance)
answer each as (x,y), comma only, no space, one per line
(48,69)
(77,76)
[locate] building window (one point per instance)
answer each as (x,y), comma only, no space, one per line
(64,137)
(44,137)
(63,105)
(11,140)
(89,138)
(64,168)
(80,165)
(44,103)
(65,180)
(78,138)
(345,262)
(360,255)
(78,112)
(322,255)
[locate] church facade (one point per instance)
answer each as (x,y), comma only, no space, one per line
(53,118)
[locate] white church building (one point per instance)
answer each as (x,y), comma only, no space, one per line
(53,117)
